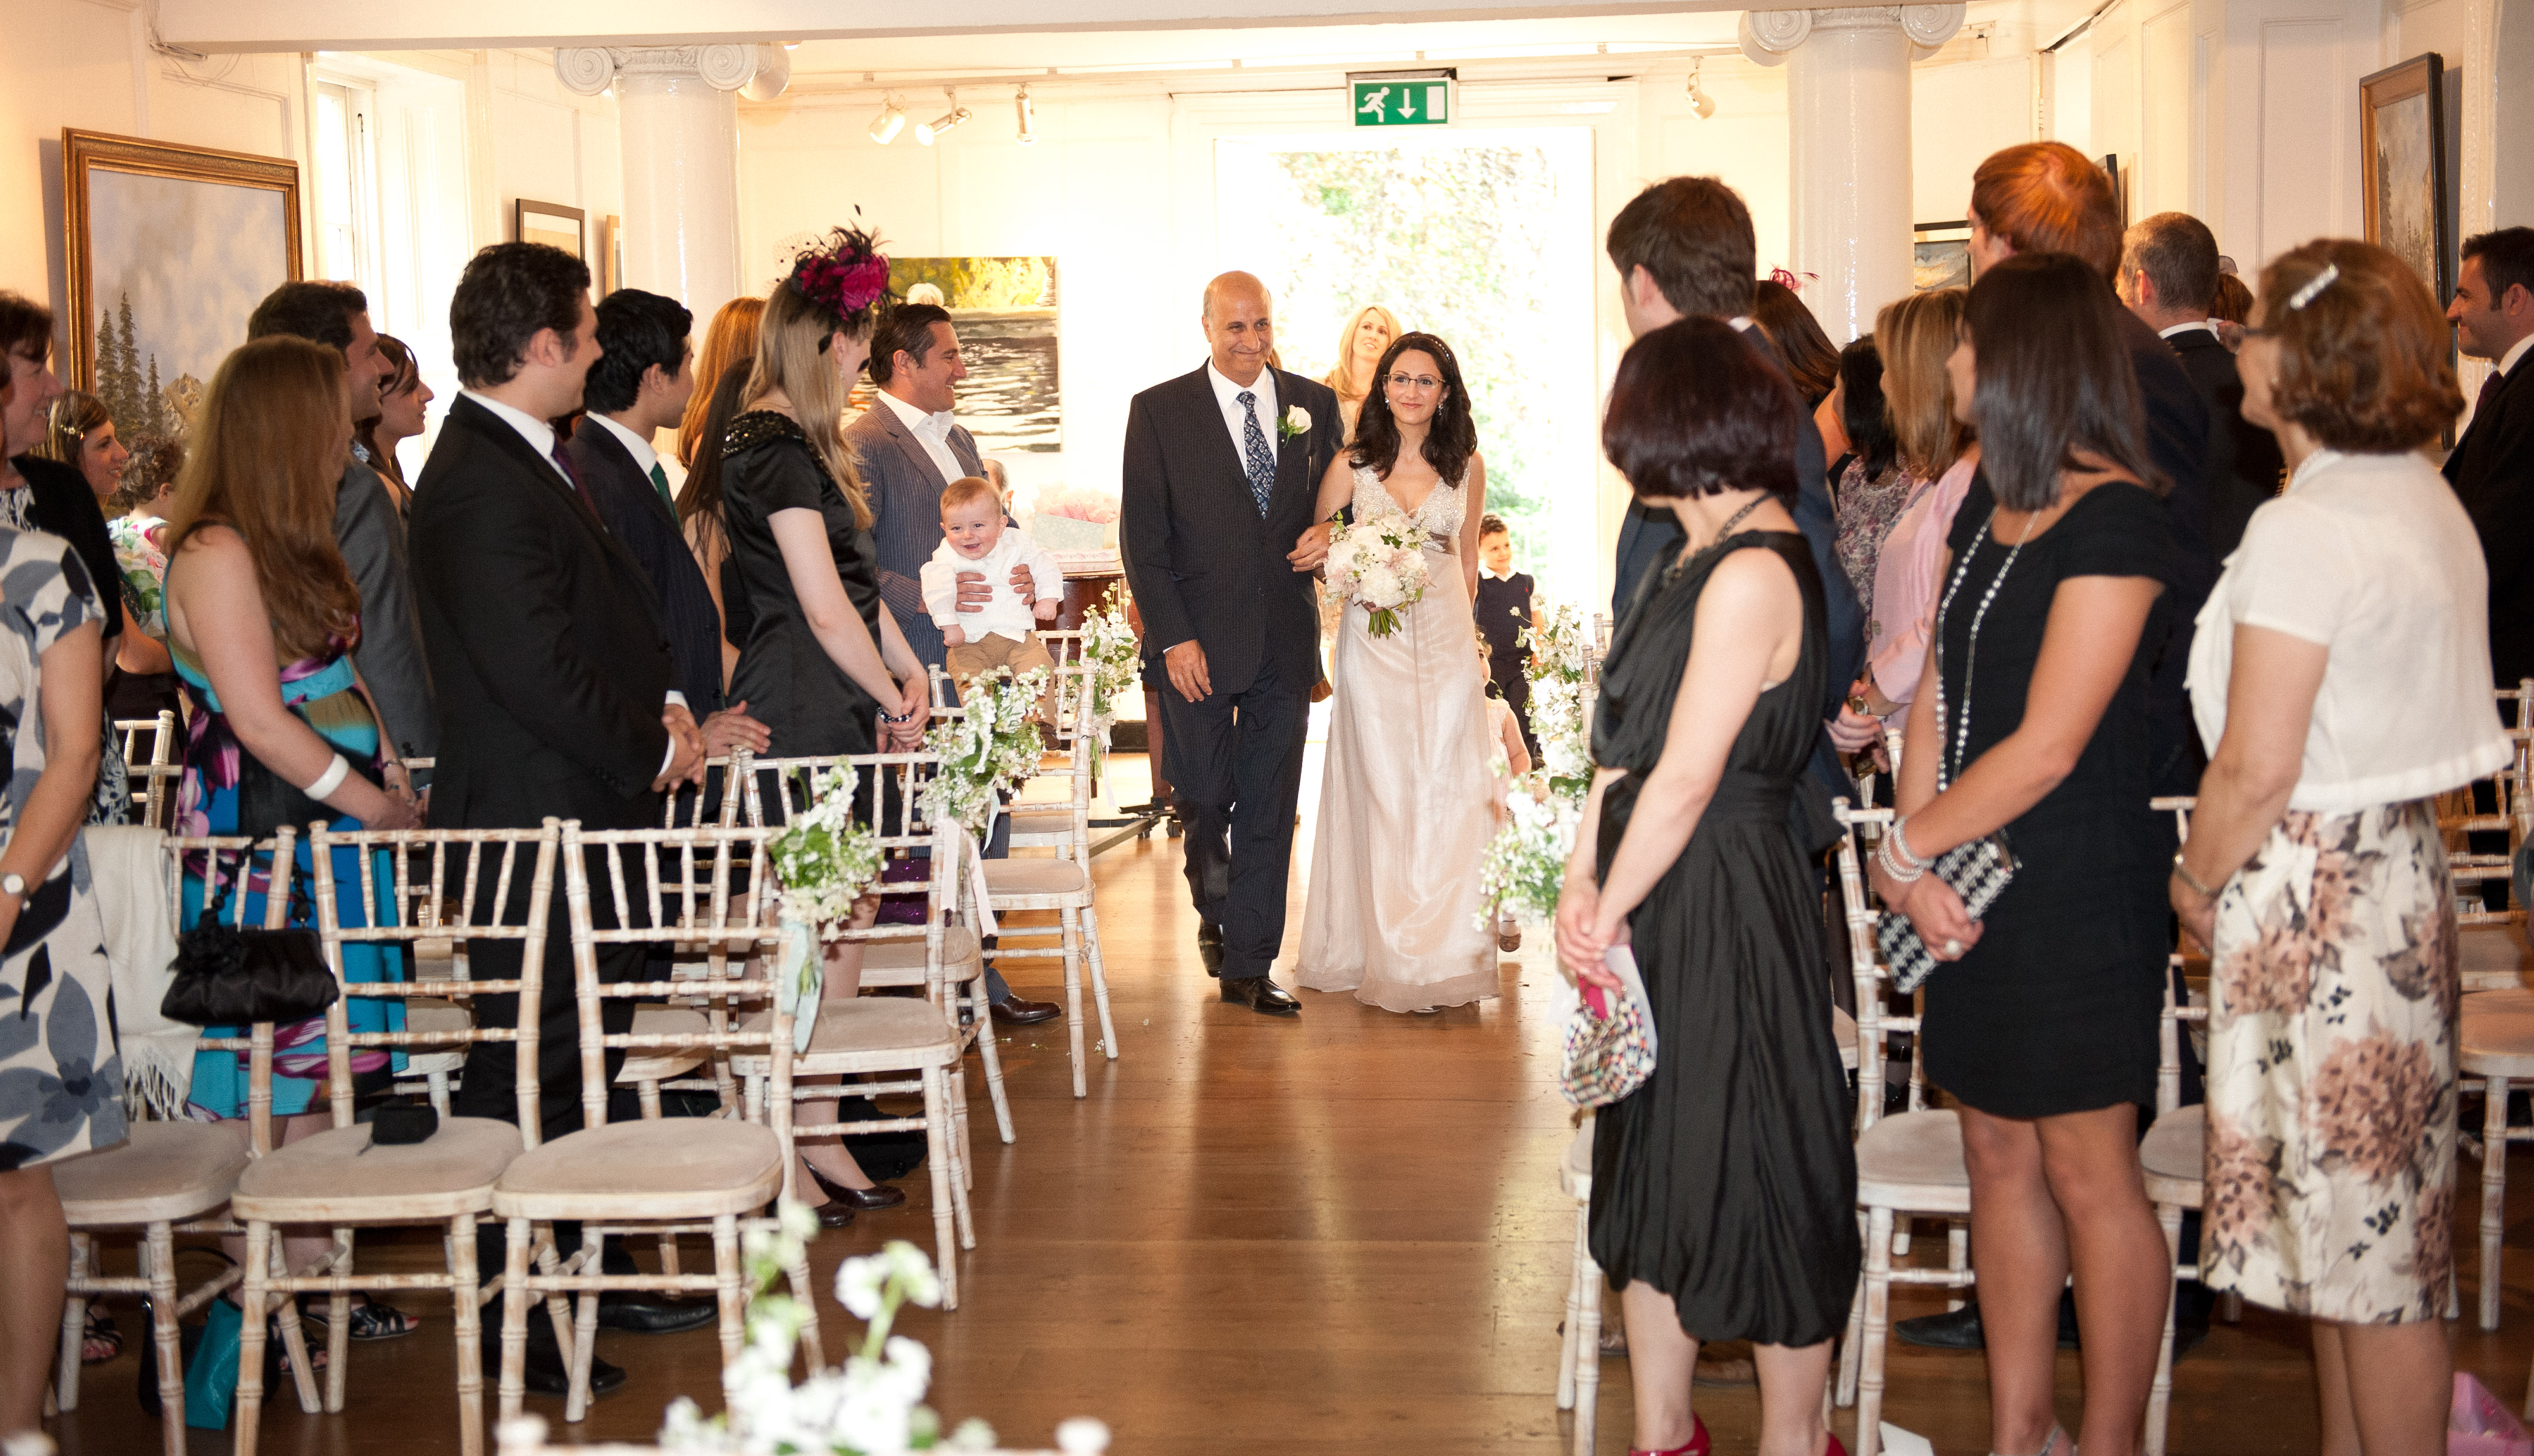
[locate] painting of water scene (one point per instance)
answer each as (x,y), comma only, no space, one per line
(2403,158)
(1005,312)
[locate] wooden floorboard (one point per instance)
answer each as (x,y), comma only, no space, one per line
(1340,1236)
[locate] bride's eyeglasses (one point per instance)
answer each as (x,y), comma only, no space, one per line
(1415,381)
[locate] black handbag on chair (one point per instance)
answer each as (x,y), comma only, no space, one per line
(229,975)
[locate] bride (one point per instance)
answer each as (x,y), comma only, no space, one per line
(1395,914)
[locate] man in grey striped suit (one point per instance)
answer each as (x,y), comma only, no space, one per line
(910,449)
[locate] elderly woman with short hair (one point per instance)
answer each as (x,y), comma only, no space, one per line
(2341,678)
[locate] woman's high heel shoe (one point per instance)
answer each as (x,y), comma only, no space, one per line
(862,1201)
(1698,1444)
(2050,1447)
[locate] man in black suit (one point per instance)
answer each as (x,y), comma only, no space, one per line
(2492,468)
(367,528)
(2168,274)
(1222,471)
(637,386)
(1684,246)
(2047,197)
(557,679)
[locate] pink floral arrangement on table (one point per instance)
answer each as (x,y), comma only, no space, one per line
(844,272)
(1079,502)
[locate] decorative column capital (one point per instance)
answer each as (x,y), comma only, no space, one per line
(759,72)
(1767,36)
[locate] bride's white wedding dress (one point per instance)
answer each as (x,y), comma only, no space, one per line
(1394,913)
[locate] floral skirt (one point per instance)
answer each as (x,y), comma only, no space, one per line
(2331,1070)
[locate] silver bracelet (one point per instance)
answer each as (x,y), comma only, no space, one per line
(1898,840)
(1890,866)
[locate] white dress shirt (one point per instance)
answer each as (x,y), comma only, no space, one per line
(2178,329)
(932,431)
(2507,361)
(1235,416)
(644,456)
(541,439)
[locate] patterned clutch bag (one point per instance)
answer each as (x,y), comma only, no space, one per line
(1610,1039)
(1978,871)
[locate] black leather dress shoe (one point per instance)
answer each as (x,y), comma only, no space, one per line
(1011,1011)
(1262,996)
(545,1372)
(863,1200)
(1960,1329)
(1209,947)
(650,1313)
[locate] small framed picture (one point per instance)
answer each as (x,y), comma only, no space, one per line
(611,255)
(1941,255)
(555,226)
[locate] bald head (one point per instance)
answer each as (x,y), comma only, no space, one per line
(1239,325)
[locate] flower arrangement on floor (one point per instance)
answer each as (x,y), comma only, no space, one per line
(871,1406)
(1115,659)
(823,863)
(990,747)
(1526,863)
(1381,561)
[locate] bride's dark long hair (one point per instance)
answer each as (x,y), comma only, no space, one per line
(1450,440)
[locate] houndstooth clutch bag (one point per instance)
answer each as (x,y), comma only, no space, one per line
(1610,1039)
(1978,871)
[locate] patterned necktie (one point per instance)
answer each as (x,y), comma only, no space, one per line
(660,483)
(1261,462)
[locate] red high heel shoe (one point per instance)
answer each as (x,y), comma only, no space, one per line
(1698,1445)
(1833,1449)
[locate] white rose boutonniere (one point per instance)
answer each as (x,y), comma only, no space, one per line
(1295,424)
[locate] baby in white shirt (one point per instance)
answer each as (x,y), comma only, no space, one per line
(975,539)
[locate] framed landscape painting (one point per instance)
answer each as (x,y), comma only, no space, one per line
(1005,312)
(168,250)
(1939,256)
(2402,157)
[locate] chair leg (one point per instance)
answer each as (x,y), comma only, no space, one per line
(66,1377)
(515,1317)
(1957,1258)
(812,1349)
(1878,1328)
(1587,1350)
(294,1338)
(158,1251)
(993,1061)
(247,1413)
(1098,980)
(1852,1347)
(955,1081)
(436,1084)
(2159,1399)
(584,1338)
(947,1080)
(2494,1194)
(727,1290)
(1566,1347)
(1072,940)
(338,1334)
(937,1159)
(466,1316)
(558,1311)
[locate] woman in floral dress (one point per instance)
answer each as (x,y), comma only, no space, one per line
(61,1082)
(2341,678)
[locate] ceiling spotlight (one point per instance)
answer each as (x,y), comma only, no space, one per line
(1022,110)
(890,121)
(945,121)
(1700,101)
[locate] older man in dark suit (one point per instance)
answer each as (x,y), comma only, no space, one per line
(559,691)
(1220,482)
(909,448)
(2492,467)
(2167,276)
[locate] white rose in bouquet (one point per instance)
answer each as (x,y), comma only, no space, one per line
(1379,561)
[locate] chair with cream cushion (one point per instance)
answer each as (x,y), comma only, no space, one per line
(1908,1162)
(648,1177)
(174,1176)
(340,1178)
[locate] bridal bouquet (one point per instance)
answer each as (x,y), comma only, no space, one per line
(871,1406)
(990,747)
(1381,561)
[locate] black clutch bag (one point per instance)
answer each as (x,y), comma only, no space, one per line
(227,974)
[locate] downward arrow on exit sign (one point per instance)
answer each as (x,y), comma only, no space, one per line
(1420,101)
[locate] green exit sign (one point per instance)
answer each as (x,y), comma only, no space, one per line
(1402,100)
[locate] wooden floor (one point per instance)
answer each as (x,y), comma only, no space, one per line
(1337,1236)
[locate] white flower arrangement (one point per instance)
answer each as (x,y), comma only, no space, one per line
(822,859)
(990,747)
(1526,863)
(1115,656)
(871,1406)
(1379,562)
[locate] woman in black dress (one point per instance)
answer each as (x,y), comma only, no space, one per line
(824,659)
(2041,1022)
(1723,1190)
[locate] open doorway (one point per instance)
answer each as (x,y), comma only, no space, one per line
(1481,235)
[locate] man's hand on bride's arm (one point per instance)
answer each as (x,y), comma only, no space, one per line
(1312,549)
(1185,663)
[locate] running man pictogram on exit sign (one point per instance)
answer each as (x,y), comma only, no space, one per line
(1402,100)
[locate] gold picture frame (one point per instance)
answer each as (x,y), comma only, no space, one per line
(553,225)
(192,236)
(2403,166)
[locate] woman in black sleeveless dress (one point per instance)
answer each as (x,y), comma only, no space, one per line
(1723,1190)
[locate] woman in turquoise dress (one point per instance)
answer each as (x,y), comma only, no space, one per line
(262,616)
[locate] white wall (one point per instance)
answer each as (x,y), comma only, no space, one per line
(1959,113)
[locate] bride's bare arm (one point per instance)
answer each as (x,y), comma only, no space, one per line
(1337,491)
(1473,513)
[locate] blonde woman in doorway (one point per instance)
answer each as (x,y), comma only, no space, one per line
(1359,349)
